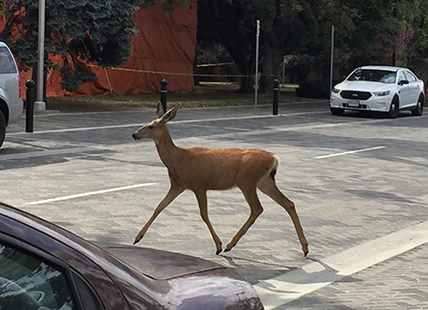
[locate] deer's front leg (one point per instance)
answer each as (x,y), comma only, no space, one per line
(173,192)
(201,196)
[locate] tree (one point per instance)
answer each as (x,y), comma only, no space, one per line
(78,31)
(287,26)
(386,32)
(231,24)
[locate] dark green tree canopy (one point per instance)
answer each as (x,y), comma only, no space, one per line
(366,31)
(79,31)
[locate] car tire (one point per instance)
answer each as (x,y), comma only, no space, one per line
(2,128)
(337,111)
(394,108)
(419,109)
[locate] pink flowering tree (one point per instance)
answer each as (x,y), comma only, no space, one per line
(7,4)
(396,42)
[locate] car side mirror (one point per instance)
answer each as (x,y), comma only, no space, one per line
(403,82)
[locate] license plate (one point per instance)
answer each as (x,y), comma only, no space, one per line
(353,103)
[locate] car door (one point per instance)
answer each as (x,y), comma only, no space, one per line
(414,90)
(404,90)
(38,271)
(9,83)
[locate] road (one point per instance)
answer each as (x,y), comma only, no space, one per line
(358,182)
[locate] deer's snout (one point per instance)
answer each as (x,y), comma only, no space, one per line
(135,136)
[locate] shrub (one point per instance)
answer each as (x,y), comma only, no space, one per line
(316,89)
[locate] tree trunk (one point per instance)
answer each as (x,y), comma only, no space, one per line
(246,69)
(246,85)
(272,57)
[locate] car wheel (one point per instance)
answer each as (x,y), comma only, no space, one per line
(2,128)
(419,106)
(394,108)
(337,111)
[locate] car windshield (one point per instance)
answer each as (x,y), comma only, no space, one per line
(372,75)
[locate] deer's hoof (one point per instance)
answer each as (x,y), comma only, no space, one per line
(306,253)
(218,252)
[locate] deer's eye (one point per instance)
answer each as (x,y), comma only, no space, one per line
(150,127)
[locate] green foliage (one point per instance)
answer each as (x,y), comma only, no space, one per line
(78,31)
(167,4)
(287,27)
(366,32)
(299,65)
(319,89)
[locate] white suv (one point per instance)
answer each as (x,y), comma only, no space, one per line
(11,104)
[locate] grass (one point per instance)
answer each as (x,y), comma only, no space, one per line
(206,95)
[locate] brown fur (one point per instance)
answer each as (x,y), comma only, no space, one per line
(201,169)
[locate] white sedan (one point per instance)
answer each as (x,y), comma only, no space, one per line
(380,89)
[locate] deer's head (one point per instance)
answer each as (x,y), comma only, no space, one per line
(154,129)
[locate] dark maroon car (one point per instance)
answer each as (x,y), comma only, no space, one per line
(45,267)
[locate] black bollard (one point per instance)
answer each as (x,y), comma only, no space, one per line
(29,109)
(275,96)
(163,92)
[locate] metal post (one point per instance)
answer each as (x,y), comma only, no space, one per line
(331,58)
(283,71)
(40,104)
(163,94)
(29,108)
(256,77)
(275,96)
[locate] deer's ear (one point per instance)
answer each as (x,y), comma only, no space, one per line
(169,115)
(159,109)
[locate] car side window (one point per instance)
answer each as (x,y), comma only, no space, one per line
(7,63)
(410,77)
(27,282)
(401,76)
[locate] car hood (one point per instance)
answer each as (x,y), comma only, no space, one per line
(158,264)
(364,86)
(184,282)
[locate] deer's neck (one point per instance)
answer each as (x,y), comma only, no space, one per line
(167,150)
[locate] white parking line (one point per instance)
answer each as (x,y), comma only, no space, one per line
(116,189)
(351,152)
(299,282)
(140,124)
(43,153)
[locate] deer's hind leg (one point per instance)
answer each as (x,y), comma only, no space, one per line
(250,194)
(268,186)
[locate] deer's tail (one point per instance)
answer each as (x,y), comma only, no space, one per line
(274,168)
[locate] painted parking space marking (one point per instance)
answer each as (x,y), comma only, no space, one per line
(109,190)
(351,152)
(224,128)
(172,122)
(42,153)
(320,273)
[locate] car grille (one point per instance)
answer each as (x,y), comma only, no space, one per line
(357,95)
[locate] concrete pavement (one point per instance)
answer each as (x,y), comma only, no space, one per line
(354,179)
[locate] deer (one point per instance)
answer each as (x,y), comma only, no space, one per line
(201,169)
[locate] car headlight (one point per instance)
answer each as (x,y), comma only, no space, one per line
(335,90)
(382,93)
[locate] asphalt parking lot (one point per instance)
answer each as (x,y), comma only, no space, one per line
(358,182)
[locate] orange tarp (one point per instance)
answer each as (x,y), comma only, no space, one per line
(164,48)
